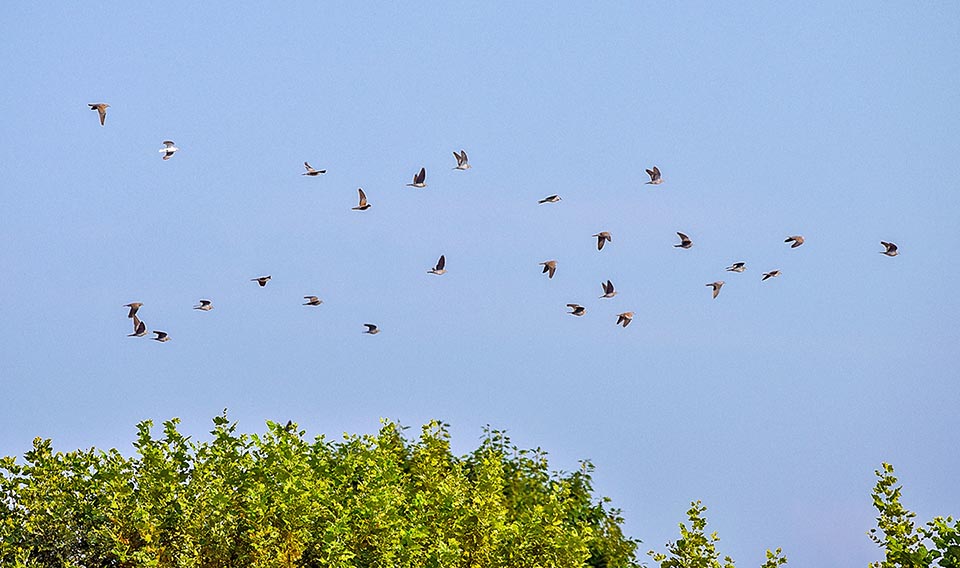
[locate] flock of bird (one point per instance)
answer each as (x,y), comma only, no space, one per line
(419,181)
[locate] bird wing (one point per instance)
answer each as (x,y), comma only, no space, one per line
(463,154)
(656,172)
(370,326)
(102,110)
(420,177)
(683,237)
(442,262)
(363,197)
(168,143)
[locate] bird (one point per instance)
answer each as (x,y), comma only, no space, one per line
(139,328)
(737,267)
(134,306)
(655,178)
(771,274)
(168,150)
(372,329)
(439,268)
(796,239)
(205,305)
(312,172)
(608,291)
(312,301)
(716,287)
(100,108)
(685,241)
(462,163)
(891,249)
(576,310)
(550,199)
(419,179)
(625,318)
(363,206)
(289,426)
(603,237)
(262,281)
(549,266)
(161,336)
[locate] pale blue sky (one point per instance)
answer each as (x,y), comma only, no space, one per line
(773,403)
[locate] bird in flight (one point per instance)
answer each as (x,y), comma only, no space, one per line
(603,237)
(439,268)
(625,318)
(771,274)
(262,281)
(797,240)
(363,206)
(312,172)
(205,305)
(139,328)
(608,291)
(685,241)
(372,329)
(549,266)
(576,310)
(716,287)
(312,301)
(891,249)
(550,199)
(168,150)
(161,336)
(134,306)
(100,108)
(655,178)
(419,180)
(462,163)
(737,267)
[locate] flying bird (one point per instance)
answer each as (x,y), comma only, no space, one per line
(312,172)
(205,305)
(771,274)
(603,237)
(550,199)
(168,149)
(625,318)
(576,310)
(419,179)
(891,249)
(161,336)
(549,266)
(439,268)
(371,329)
(262,281)
(716,287)
(737,267)
(655,178)
(100,108)
(312,301)
(608,291)
(134,306)
(363,206)
(797,240)
(685,241)
(462,163)
(139,328)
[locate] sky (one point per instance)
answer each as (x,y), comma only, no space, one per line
(773,403)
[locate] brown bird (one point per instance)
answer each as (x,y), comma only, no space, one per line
(685,242)
(716,287)
(363,206)
(161,336)
(419,179)
(576,310)
(603,237)
(796,239)
(139,328)
(737,267)
(205,305)
(312,301)
(134,306)
(312,172)
(462,163)
(608,291)
(262,281)
(771,274)
(891,249)
(100,108)
(550,199)
(371,329)
(625,318)
(549,266)
(655,178)
(439,268)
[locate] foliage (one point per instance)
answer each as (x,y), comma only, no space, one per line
(937,544)
(278,499)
